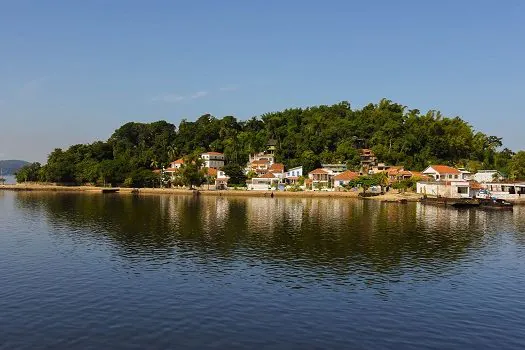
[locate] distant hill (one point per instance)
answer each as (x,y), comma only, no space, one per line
(9,167)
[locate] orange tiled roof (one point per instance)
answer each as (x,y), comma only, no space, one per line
(178,161)
(445,169)
(212,153)
(346,175)
(171,170)
(277,167)
(318,171)
(260,161)
(267,176)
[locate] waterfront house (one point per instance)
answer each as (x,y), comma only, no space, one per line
(221,181)
(443,173)
(442,188)
(277,169)
(320,178)
(263,182)
(342,179)
(506,190)
(484,176)
(293,174)
(213,160)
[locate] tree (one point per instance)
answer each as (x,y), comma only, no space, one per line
(236,174)
(517,166)
(364,182)
(191,172)
(28,173)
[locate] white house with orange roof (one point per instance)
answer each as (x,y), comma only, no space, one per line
(277,169)
(213,160)
(445,181)
(344,178)
(443,173)
(260,166)
(320,178)
(263,182)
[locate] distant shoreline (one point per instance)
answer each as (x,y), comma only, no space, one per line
(230,193)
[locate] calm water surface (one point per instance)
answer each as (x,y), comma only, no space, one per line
(80,271)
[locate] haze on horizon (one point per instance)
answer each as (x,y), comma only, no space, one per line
(73,72)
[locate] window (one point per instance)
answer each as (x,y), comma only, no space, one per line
(463,190)
(455,176)
(450,176)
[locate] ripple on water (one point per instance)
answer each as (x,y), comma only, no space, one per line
(81,271)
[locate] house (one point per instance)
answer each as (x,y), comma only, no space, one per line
(381,167)
(271,146)
(260,166)
(174,168)
(342,179)
(221,181)
(213,160)
(320,178)
(294,172)
(368,159)
(261,156)
(336,168)
(443,173)
(506,190)
(177,164)
(293,175)
(483,176)
(443,188)
(277,169)
(263,182)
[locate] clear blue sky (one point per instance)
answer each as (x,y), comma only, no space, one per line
(73,71)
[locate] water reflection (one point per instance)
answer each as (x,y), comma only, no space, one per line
(341,236)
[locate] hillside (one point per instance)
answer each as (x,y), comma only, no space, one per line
(304,136)
(9,167)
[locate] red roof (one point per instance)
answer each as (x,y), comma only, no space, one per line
(445,169)
(318,171)
(214,153)
(267,176)
(260,161)
(178,161)
(346,175)
(277,167)
(171,170)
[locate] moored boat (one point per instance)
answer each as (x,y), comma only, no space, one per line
(495,203)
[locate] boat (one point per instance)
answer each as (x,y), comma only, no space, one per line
(495,203)
(453,202)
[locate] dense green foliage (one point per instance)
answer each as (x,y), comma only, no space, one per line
(10,167)
(236,174)
(305,136)
(29,173)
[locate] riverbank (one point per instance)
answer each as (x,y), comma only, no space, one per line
(387,197)
(204,192)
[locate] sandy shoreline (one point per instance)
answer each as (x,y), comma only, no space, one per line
(388,197)
(204,192)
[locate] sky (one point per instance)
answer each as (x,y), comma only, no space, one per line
(73,71)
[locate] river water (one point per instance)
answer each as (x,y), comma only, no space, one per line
(92,271)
